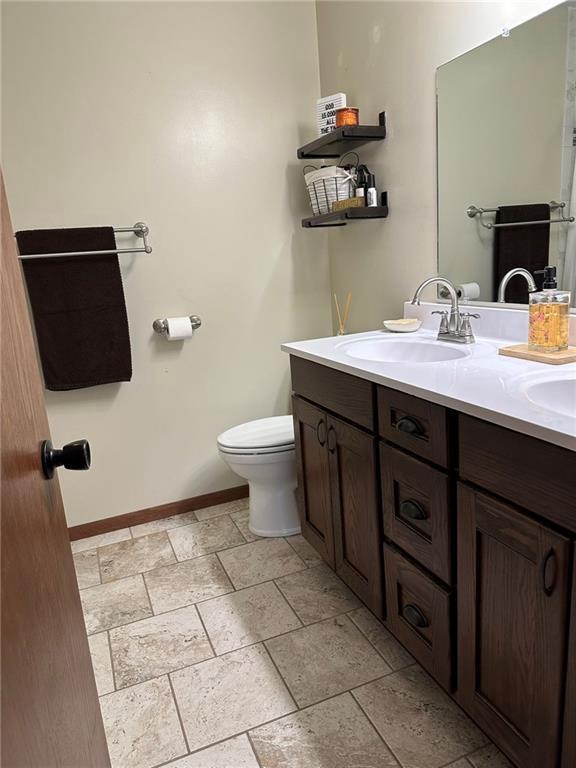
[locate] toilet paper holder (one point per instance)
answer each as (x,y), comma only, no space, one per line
(161,326)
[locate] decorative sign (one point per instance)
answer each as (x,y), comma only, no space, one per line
(326,112)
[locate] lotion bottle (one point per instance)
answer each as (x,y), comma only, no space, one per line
(548,315)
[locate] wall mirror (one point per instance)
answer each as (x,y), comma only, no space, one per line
(506,145)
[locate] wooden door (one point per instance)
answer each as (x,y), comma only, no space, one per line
(357,535)
(513,591)
(50,712)
(310,430)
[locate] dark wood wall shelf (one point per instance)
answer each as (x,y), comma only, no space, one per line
(341,218)
(343,140)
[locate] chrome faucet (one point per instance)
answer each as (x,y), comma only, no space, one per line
(508,276)
(454,326)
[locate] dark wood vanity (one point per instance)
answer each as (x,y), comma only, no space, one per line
(459,535)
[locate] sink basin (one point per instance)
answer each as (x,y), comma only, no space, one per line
(554,394)
(397,351)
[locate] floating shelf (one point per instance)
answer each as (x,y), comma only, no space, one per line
(341,218)
(343,140)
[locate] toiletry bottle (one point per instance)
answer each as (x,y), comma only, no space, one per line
(361,183)
(548,315)
(371,194)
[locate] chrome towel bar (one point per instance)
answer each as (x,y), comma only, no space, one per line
(474,211)
(140,230)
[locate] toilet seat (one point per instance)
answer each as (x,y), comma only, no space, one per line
(259,437)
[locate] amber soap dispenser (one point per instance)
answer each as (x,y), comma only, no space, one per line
(548,316)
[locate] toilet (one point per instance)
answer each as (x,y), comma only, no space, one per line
(262,452)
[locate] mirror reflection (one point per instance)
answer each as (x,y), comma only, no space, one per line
(506,136)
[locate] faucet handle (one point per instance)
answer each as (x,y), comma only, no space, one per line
(443,322)
(465,327)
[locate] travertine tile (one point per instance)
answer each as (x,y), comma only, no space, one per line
(160,644)
(135,556)
(246,617)
(234,753)
(142,726)
(224,696)
(155,526)
(175,586)
(385,643)
(463,763)
(227,508)
(87,570)
(114,604)
(489,757)
(333,734)
(305,550)
(317,593)
(324,659)
(101,662)
(241,519)
(418,721)
(260,561)
(205,537)
(101,540)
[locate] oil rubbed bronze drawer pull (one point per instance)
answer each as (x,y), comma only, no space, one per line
(411,510)
(410,426)
(549,572)
(414,616)
(321,425)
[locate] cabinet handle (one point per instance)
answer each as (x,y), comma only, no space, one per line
(549,572)
(331,444)
(414,616)
(411,510)
(410,426)
(321,440)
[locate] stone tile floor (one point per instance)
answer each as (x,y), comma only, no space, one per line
(213,648)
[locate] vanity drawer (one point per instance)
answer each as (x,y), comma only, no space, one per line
(416,509)
(418,614)
(347,396)
(529,472)
(417,425)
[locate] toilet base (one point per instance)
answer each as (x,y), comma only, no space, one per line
(273,512)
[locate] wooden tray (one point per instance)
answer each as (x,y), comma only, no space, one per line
(551,358)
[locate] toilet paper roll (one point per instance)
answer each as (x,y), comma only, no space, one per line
(468,291)
(178,328)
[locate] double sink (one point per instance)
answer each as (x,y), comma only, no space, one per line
(554,391)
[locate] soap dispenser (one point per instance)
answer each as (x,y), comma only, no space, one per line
(548,315)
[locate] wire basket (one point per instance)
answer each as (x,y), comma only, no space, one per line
(329,184)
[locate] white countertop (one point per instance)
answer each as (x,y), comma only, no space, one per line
(482,384)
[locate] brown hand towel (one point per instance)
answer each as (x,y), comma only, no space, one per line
(78,307)
(520,247)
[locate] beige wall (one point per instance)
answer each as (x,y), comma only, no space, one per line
(186,116)
(384,55)
(500,135)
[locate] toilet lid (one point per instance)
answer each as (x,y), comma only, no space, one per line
(274,432)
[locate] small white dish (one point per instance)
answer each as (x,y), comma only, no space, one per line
(403,325)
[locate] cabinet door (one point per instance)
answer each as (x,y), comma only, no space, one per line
(512,625)
(357,536)
(310,432)
(569,747)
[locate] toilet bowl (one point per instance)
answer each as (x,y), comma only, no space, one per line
(262,452)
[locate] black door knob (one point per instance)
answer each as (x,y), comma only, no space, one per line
(74,455)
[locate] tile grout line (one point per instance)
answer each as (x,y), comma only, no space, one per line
(180,720)
(378,651)
(253,748)
(373,724)
(281,676)
(111,661)
(214,654)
